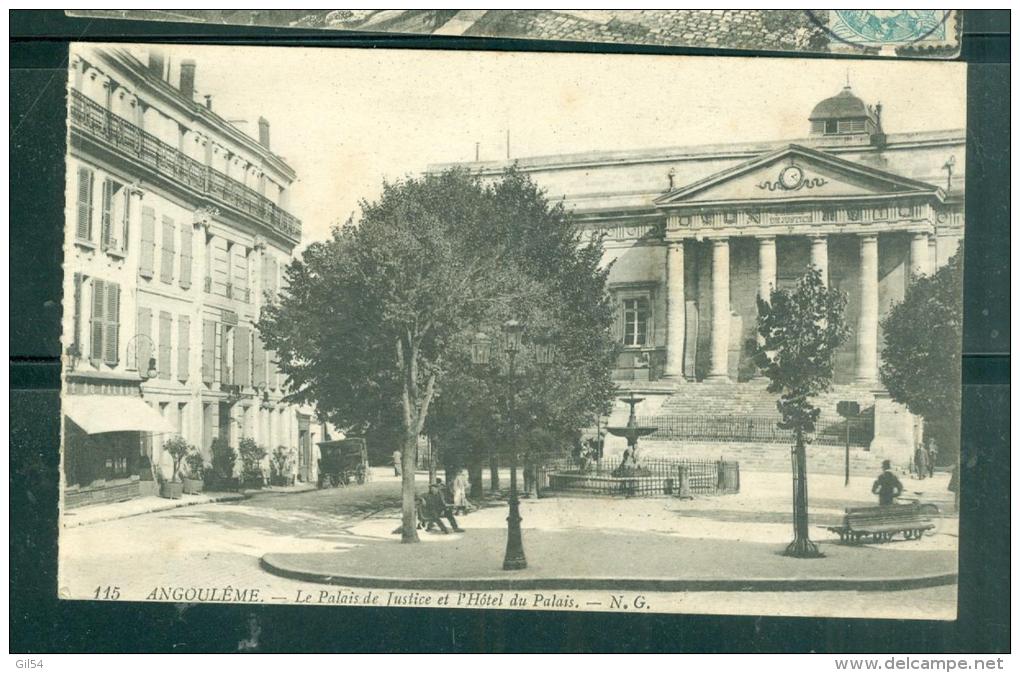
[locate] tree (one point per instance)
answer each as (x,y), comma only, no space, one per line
(801,329)
(378,315)
(922,357)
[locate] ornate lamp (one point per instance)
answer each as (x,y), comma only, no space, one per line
(146,367)
(513,331)
(481,349)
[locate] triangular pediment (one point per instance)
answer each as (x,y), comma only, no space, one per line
(795,173)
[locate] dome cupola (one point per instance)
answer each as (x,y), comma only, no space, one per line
(845,115)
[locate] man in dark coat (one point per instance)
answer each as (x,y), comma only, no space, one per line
(437,508)
(887,486)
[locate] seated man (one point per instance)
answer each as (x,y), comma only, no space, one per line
(436,508)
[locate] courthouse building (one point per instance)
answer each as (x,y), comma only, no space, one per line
(695,234)
(178,228)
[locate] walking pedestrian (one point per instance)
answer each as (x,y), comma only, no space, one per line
(921,461)
(933,454)
(396,462)
(887,487)
(461,485)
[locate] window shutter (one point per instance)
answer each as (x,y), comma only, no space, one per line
(164,344)
(166,269)
(208,350)
(126,223)
(76,336)
(258,358)
(143,352)
(226,371)
(98,320)
(107,217)
(85,178)
(183,347)
(111,336)
(186,236)
(242,356)
(145,268)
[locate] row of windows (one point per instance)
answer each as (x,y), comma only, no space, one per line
(231,354)
(228,264)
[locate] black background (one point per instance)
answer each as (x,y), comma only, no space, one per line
(40,623)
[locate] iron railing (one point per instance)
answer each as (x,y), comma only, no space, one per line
(129,139)
(756,428)
(654,476)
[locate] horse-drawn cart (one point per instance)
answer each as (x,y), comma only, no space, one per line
(342,462)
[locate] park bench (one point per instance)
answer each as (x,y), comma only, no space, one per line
(880,524)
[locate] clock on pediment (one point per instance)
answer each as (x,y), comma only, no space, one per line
(791,177)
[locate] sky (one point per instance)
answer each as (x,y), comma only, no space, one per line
(346,119)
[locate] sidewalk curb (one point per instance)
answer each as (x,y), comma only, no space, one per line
(176,504)
(272,564)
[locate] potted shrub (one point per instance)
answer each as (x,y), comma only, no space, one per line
(282,467)
(224,459)
(177,448)
(194,483)
(252,456)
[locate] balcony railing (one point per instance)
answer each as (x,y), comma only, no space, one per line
(129,139)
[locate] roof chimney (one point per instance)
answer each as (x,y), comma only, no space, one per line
(187,86)
(264,132)
(208,101)
(157,62)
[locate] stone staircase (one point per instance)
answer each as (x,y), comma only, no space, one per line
(766,457)
(702,402)
(752,398)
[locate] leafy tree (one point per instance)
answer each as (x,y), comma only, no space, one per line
(378,315)
(801,329)
(252,455)
(177,448)
(921,360)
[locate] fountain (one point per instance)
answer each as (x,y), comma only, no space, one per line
(631,432)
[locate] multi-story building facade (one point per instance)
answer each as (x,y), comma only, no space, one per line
(178,231)
(695,234)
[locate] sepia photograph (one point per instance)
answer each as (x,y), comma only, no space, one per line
(512,331)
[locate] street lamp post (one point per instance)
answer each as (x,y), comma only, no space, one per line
(514,558)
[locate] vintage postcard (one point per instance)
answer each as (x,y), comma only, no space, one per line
(933,33)
(499,330)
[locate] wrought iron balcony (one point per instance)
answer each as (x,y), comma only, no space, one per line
(131,140)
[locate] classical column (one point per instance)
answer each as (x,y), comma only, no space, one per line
(867,322)
(919,264)
(766,266)
(820,256)
(767,281)
(719,370)
(676,312)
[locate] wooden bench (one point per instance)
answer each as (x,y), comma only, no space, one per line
(880,524)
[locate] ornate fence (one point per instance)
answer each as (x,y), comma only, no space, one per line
(657,476)
(756,428)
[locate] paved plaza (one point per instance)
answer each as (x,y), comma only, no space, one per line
(733,536)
